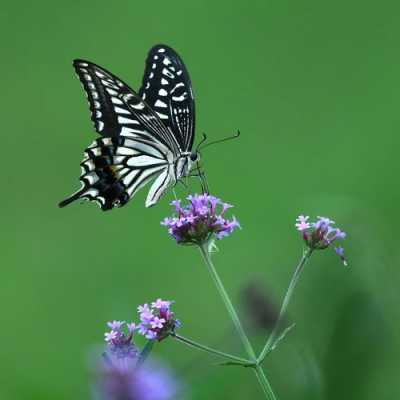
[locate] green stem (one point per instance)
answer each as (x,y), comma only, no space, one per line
(227,301)
(266,387)
(207,349)
(295,278)
(145,352)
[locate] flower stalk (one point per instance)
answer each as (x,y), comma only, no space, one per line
(264,383)
(210,350)
(273,337)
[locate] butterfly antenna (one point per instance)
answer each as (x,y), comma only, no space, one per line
(235,136)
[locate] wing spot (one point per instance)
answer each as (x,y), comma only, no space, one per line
(160,103)
(162,92)
(164,81)
(114,100)
(121,110)
(112,92)
(167,61)
(180,98)
(168,73)
(87,77)
(161,50)
(177,86)
(123,120)
(151,75)
(109,84)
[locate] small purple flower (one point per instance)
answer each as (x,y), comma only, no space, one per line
(132,327)
(120,376)
(145,307)
(321,234)
(148,382)
(157,322)
(110,336)
(117,335)
(200,221)
(115,325)
(159,303)
(340,252)
(151,334)
(301,223)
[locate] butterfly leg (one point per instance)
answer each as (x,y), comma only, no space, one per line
(203,181)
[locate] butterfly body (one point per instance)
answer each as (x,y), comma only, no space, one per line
(145,136)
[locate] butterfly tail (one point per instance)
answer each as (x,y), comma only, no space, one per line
(71,198)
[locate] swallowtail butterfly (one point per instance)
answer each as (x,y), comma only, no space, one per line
(145,136)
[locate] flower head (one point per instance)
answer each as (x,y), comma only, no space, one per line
(120,376)
(200,220)
(121,352)
(157,321)
(321,234)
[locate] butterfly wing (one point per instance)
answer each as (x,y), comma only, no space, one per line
(167,89)
(114,169)
(136,147)
(116,108)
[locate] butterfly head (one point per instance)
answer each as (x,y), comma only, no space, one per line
(195,156)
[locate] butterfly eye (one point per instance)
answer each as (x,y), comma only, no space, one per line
(193,157)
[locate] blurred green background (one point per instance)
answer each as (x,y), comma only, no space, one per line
(314,86)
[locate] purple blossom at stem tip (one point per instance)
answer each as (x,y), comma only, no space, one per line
(321,234)
(200,220)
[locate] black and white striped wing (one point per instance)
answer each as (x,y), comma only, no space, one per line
(114,169)
(116,108)
(136,148)
(167,89)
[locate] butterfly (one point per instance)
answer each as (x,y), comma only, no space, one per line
(145,136)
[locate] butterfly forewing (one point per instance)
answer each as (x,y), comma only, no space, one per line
(116,109)
(167,89)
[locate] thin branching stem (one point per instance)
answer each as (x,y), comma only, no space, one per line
(210,350)
(273,337)
(266,387)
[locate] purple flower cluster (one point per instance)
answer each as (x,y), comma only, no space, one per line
(148,382)
(120,376)
(200,220)
(121,373)
(157,321)
(321,234)
(120,344)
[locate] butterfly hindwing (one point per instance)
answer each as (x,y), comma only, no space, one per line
(167,89)
(114,169)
